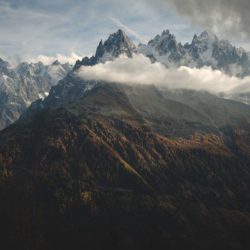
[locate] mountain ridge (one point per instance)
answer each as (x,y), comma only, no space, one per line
(25,83)
(204,50)
(36,79)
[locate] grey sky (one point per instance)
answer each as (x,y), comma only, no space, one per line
(226,16)
(30,28)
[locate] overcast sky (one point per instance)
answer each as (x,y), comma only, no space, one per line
(31,28)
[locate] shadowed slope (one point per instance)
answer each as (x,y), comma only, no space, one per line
(71,179)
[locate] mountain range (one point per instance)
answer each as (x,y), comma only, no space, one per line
(24,84)
(28,82)
(204,50)
(105,165)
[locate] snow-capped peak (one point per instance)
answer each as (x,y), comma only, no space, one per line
(120,38)
(163,40)
(118,43)
(163,48)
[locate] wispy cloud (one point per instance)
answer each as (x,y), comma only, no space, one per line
(128,30)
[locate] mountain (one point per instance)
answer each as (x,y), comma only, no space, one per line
(164,48)
(189,110)
(117,44)
(104,165)
(22,85)
(204,50)
(26,83)
(207,49)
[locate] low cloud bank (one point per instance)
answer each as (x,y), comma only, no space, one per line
(140,70)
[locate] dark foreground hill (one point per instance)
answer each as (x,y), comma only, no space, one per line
(126,167)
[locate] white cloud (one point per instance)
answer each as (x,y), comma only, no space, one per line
(140,70)
(72,58)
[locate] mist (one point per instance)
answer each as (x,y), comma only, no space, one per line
(140,70)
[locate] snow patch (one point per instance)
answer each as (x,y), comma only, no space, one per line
(5,77)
